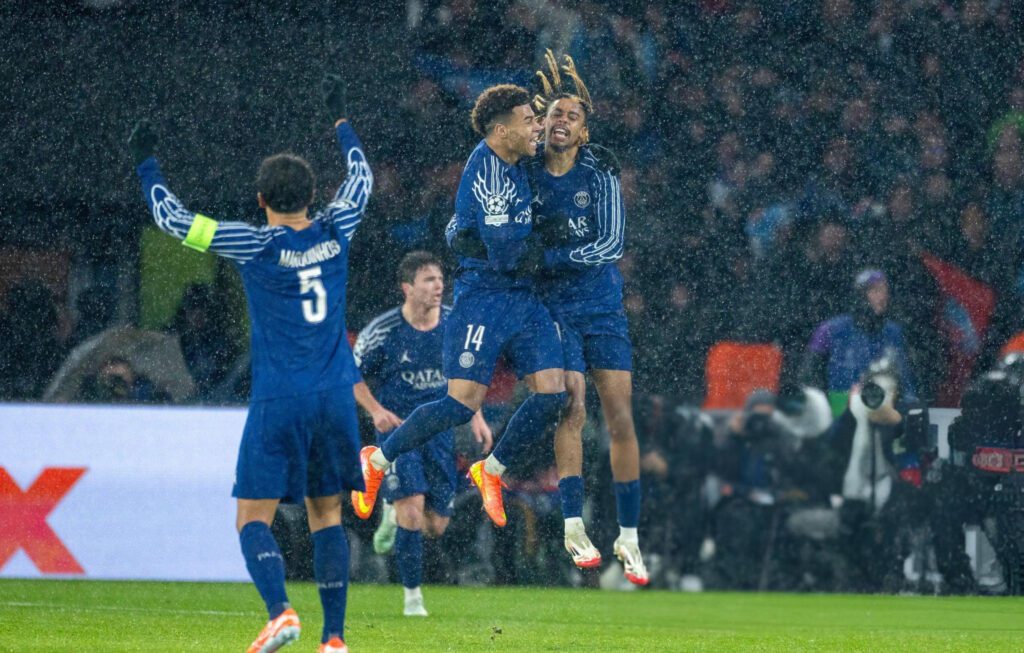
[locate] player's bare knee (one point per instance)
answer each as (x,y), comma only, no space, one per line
(574,414)
(436,525)
(410,517)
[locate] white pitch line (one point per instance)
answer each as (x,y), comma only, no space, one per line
(111,608)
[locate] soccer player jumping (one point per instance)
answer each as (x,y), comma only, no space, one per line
(400,354)
(579,196)
(301,436)
(495,307)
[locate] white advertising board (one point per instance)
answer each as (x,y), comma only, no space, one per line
(119,492)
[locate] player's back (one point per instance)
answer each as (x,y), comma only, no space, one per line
(295,289)
(294,279)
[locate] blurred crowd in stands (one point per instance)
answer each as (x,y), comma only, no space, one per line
(779,161)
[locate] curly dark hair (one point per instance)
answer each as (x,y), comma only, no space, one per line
(286,182)
(495,105)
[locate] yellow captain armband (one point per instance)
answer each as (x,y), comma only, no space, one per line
(200,234)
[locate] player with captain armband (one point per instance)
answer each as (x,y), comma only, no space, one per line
(301,437)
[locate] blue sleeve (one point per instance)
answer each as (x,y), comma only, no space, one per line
(610,215)
(488,201)
(235,240)
(349,203)
(368,351)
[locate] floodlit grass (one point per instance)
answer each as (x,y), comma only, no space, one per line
(44,615)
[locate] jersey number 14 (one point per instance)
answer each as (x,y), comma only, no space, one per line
(314,310)
(474,336)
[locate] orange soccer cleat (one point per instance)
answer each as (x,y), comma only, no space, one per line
(362,502)
(333,645)
(490,490)
(278,632)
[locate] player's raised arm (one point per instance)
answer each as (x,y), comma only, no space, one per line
(235,240)
(349,203)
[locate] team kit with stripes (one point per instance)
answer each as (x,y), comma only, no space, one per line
(301,438)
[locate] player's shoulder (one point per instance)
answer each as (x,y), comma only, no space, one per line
(377,329)
(484,157)
(446,310)
(599,159)
(264,231)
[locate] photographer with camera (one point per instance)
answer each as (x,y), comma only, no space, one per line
(983,481)
(879,451)
(767,471)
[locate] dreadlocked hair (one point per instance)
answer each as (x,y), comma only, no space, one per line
(553,88)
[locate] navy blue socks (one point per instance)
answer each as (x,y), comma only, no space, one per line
(528,425)
(265,564)
(330,567)
(409,556)
(571,490)
(424,423)
(627,503)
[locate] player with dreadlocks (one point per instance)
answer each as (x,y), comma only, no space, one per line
(579,197)
(579,210)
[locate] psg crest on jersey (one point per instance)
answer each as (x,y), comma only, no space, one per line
(466,359)
(582,199)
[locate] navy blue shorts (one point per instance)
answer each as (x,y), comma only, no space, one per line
(595,341)
(302,446)
(428,470)
(484,323)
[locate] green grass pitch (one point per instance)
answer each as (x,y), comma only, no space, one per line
(45,615)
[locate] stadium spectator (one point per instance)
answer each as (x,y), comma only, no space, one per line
(31,349)
(116,382)
(842,348)
(95,307)
(205,338)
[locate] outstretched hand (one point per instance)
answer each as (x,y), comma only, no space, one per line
(332,89)
(142,141)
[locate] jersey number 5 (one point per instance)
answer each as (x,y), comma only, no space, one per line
(314,310)
(474,336)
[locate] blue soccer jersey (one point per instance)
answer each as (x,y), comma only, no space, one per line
(402,366)
(294,280)
(301,435)
(493,201)
(588,199)
(584,290)
(496,309)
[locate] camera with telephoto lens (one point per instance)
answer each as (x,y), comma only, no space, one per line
(879,383)
(872,394)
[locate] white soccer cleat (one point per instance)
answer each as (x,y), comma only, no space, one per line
(628,551)
(414,607)
(384,536)
(584,554)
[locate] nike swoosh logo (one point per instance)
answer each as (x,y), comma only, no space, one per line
(361,500)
